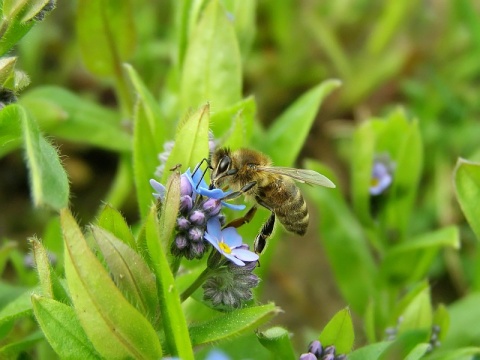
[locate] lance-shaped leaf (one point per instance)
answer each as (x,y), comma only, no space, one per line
(173,319)
(130,273)
(68,116)
(232,324)
(467,186)
(278,341)
(10,129)
(106,33)
(115,328)
(49,282)
(191,141)
(48,179)
(62,329)
(212,71)
(290,130)
(112,220)
(339,332)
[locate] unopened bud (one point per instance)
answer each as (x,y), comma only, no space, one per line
(329,350)
(181,241)
(316,348)
(212,206)
(185,186)
(182,223)
(197,217)
(195,234)
(186,203)
(308,356)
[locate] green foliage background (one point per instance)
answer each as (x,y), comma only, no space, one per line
(324,85)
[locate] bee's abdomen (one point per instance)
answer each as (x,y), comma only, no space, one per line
(293,213)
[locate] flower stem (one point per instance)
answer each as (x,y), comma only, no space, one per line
(195,285)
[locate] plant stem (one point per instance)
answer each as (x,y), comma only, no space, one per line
(199,281)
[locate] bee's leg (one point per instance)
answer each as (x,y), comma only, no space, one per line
(242,191)
(264,234)
(244,219)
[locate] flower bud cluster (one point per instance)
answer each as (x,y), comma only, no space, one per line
(317,352)
(192,219)
(231,285)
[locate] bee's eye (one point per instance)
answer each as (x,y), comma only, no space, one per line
(223,165)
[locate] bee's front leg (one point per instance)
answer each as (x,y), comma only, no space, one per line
(242,191)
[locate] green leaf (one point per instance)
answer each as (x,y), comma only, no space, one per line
(130,273)
(115,328)
(15,349)
(68,116)
(410,261)
(5,251)
(174,323)
(62,329)
(112,220)
(10,129)
(415,310)
(232,324)
(345,244)
(277,340)
(418,351)
(13,33)
(48,179)
(7,69)
(339,332)
(49,282)
(441,318)
(369,352)
(212,70)
(191,141)
(17,308)
(466,353)
(106,33)
(290,130)
(467,186)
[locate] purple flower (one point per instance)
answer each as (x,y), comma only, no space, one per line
(382,177)
(228,243)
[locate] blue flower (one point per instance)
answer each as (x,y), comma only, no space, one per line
(381,175)
(159,189)
(199,186)
(228,242)
(216,354)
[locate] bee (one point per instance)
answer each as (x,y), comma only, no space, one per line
(251,173)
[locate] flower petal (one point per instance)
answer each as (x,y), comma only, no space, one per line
(212,240)
(159,188)
(245,255)
(233,206)
(234,259)
(231,237)
(214,228)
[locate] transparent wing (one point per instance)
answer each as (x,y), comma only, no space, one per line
(301,175)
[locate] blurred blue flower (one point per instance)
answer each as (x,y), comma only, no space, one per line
(216,354)
(228,242)
(382,174)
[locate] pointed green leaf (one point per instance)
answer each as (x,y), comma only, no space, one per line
(224,122)
(15,30)
(130,273)
(106,33)
(10,129)
(345,243)
(42,265)
(115,328)
(466,353)
(339,332)
(232,324)
(416,311)
(48,179)
(290,130)
(369,352)
(212,70)
(68,116)
(62,329)
(191,141)
(467,186)
(174,323)
(7,68)
(278,341)
(112,220)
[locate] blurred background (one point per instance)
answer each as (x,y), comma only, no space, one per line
(421,55)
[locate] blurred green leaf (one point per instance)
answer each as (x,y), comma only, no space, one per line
(5,250)
(369,352)
(415,310)
(174,323)
(466,353)
(48,179)
(106,33)
(277,340)
(345,244)
(467,186)
(15,349)
(10,129)
(418,351)
(112,220)
(212,70)
(113,325)
(17,308)
(290,130)
(62,329)
(441,318)
(49,282)
(411,260)
(403,345)
(232,324)
(130,273)
(191,141)
(68,116)
(339,332)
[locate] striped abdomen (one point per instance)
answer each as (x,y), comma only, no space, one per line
(286,201)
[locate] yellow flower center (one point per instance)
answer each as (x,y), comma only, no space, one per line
(374,182)
(225,248)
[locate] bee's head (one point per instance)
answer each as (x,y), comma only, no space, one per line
(222,167)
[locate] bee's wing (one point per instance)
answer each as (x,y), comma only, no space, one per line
(301,175)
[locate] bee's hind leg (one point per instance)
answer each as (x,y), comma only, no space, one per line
(244,219)
(264,234)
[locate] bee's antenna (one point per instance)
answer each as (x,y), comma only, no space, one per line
(204,172)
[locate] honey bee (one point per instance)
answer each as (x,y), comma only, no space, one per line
(250,173)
